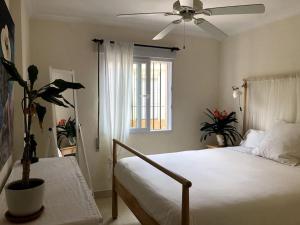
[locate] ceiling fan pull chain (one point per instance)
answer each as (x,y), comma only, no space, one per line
(184,35)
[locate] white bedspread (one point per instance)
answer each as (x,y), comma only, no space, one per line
(229,188)
(68,200)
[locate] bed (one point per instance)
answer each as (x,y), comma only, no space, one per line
(224,186)
(228,185)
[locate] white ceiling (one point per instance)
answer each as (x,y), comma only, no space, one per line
(104,12)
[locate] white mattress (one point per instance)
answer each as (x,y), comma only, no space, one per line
(229,188)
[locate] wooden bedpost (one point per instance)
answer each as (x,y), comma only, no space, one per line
(114,192)
(185,213)
(245,86)
(132,203)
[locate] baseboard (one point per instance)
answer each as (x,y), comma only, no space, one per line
(102,194)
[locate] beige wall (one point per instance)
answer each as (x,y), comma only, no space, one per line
(203,76)
(69,46)
(268,50)
(22,58)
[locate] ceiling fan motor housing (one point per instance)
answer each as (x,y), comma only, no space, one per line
(180,6)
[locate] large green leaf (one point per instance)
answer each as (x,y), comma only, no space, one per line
(53,100)
(206,134)
(210,116)
(49,91)
(64,85)
(54,92)
(32,74)
(13,72)
(41,112)
(67,102)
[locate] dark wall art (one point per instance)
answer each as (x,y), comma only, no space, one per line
(6,86)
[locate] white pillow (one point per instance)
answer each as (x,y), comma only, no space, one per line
(253,138)
(281,143)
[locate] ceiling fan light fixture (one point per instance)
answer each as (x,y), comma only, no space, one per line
(183,5)
(206,12)
(187,3)
(198,21)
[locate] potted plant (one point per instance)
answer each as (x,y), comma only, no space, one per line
(221,125)
(25,197)
(66,129)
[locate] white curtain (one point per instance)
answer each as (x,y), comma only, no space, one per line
(273,99)
(115,84)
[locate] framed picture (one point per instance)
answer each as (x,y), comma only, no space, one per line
(6,87)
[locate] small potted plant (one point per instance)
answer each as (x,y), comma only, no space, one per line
(221,126)
(25,197)
(66,130)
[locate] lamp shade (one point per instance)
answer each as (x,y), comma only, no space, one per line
(236,93)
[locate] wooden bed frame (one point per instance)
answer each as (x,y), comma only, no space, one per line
(130,200)
(259,78)
(245,86)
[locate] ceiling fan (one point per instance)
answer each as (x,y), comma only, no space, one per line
(188,10)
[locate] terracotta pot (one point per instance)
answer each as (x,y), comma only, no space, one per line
(25,201)
(220,140)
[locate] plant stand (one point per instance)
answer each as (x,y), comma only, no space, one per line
(65,186)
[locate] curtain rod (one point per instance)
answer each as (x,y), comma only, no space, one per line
(141,45)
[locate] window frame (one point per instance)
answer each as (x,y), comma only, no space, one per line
(148,61)
(139,129)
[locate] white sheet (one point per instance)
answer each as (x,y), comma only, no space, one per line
(68,201)
(229,188)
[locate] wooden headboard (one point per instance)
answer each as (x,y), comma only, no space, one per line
(278,97)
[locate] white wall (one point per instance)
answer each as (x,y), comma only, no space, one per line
(268,50)
(69,46)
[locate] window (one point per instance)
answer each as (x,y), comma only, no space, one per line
(151,95)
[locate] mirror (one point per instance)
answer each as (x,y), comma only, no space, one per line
(65,119)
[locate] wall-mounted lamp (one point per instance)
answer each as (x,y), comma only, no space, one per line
(236,93)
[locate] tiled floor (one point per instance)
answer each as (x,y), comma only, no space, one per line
(125,215)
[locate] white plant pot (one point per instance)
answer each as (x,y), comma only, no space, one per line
(220,140)
(25,202)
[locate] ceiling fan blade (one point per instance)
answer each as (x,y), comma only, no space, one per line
(146,14)
(210,28)
(239,9)
(167,30)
